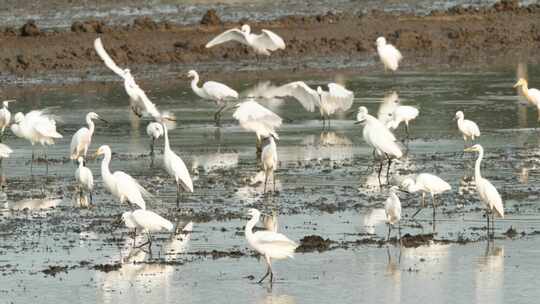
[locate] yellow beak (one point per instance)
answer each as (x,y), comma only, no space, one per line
(469,149)
(517,84)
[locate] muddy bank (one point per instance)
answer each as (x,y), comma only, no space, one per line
(457,36)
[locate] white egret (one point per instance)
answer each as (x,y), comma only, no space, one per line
(269,160)
(385,113)
(37,127)
(299,90)
(256,118)
(154,130)
(468,128)
(532,95)
(426,183)
(270,244)
(121,185)
(148,222)
(389,55)
(80,142)
(85,182)
(379,138)
(392,207)
(176,167)
(5,117)
(5,151)
(402,114)
(212,90)
(262,44)
(487,192)
(139,102)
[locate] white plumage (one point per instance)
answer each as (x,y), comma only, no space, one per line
(176,168)
(262,44)
(300,91)
(80,142)
(121,185)
(154,130)
(5,115)
(392,207)
(402,114)
(389,55)
(377,135)
(269,160)
(256,118)
(5,151)
(36,126)
(426,183)
(488,193)
(532,95)
(149,221)
(140,103)
(270,244)
(385,113)
(468,128)
(337,98)
(85,182)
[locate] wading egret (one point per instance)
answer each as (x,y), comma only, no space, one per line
(85,183)
(154,130)
(5,151)
(385,113)
(176,168)
(256,118)
(148,222)
(426,183)
(215,91)
(468,128)
(269,160)
(262,44)
(336,99)
(271,245)
(5,116)
(139,102)
(36,127)
(80,142)
(379,138)
(487,192)
(389,55)
(402,114)
(392,207)
(121,185)
(532,95)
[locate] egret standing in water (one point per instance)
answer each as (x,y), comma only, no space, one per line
(262,44)
(121,185)
(468,128)
(148,222)
(392,207)
(269,160)
(85,183)
(176,168)
(5,117)
(426,183)
(80,142)
(270,244)
(379,138)
(532,95)
(215,91)
(154,130)
(487,192)
(389,55)
(402,114)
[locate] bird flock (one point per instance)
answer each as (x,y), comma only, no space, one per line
(39,127)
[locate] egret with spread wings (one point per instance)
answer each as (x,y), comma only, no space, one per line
(262,44)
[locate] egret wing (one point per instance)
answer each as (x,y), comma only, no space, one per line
(180,171)
(145,218)
(251,111)
(219,90)
(98,45)
(232,34)
(269,40)
(301,92)
(489,194)
(131,189)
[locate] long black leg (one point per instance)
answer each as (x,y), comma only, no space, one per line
(265,275)
(265,180)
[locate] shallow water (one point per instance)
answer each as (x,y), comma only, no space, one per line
(326,186)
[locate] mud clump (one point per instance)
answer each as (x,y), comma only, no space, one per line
(313,243)
(211,18)
(54,270)
(145,23)
(90,26)
(413,241)
(107,267)
(506,5)
(216,254)
(511,232)
(30,29)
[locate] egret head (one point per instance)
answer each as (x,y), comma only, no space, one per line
(18,117)
(407,183)
(475,148)
(254,213)
(394,189)
(80,160)
(6,102)
(459,115)
(362,115)
(521,82)
(246,28)
(192,74)
(381,41)
(103,150)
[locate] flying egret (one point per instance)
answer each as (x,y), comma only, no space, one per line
(85,182)
(379,138)
(80,142)
(176,168)
(468,128)
(37,127)
(402,114)
(389,55)
(139,102)
(426,183)
(121,185)
(154,130)
(148,222)
(487,192)
(215,91)
(5,116)
(256,118)
(262,44)
(532,95)
(270,244)
(392,207)
(269,160)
